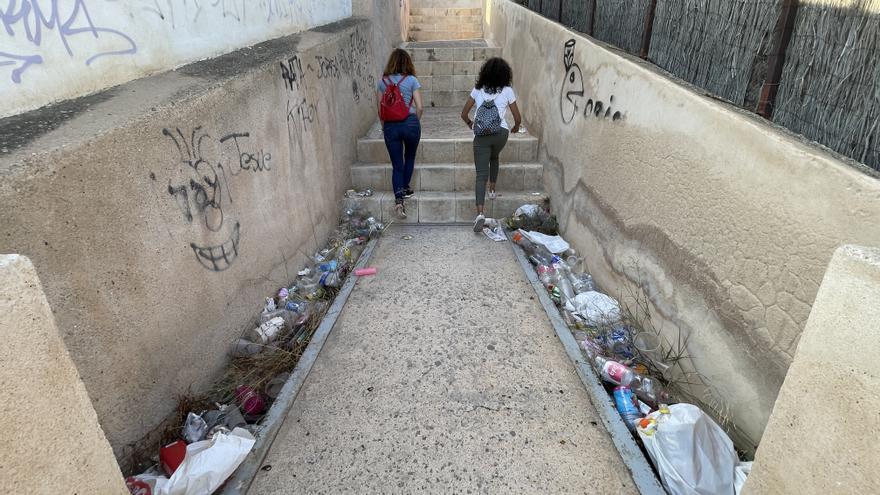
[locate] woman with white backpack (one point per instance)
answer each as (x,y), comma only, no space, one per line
(492,96)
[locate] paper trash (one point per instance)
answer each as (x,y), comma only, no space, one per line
(496,234)
(207,466)
(554,243)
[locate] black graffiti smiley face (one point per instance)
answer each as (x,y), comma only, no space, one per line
(202,198)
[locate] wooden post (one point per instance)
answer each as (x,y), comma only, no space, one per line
(649,28)
(592,27)
(776,57)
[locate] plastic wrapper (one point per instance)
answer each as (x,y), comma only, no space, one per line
(594,308)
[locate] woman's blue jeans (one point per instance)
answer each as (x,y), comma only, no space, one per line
(402,141)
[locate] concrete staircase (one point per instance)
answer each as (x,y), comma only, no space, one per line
(439,23)
(449,69)
(445,175)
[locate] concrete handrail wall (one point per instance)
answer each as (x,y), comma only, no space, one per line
(722,221)
(160,213)
(822,435)
(53,443)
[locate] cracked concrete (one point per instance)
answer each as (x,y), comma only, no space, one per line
(443,375)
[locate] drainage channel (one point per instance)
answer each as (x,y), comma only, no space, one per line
(633,457)
(240,482)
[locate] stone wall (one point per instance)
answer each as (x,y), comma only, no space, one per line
(160,213)
(723,221)
(57,50)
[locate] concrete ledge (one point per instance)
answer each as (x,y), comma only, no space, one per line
(51,442)
(823,433)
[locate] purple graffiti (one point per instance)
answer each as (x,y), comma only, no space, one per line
(30,20)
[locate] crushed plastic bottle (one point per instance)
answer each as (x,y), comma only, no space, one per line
(583,283)
(646,388)
(547,276)
(563,278)
(627,406)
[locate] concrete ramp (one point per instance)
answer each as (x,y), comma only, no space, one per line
(443,375)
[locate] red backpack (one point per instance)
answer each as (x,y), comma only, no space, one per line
(393,108)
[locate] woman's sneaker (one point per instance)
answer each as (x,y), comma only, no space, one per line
(400,209)
(493,195)
(479,223)
(408,193)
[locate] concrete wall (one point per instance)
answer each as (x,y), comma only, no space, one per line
(390,23)
(447,4)
(822,436)
(52,442)
(57,50)
(160,213)
(725,222)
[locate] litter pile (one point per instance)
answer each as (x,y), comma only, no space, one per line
(690,452)
(210,444)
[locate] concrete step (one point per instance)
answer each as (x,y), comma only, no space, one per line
(448,177)
(521,148)
(444,35)
(448,207)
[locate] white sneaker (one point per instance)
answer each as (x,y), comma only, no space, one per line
(479,222)
(493,195)
(401,210)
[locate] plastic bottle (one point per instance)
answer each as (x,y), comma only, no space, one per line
(627,406)
(582,283)
(649,390)
(520,239)
(646,388)
(563,278)
(614,372)
(547,275)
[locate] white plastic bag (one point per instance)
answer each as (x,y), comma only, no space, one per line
(594,308)
(691,452)
(743,470)
(527,210)
(207,465)
(554,243)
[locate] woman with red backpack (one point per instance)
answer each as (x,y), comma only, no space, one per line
(400,110)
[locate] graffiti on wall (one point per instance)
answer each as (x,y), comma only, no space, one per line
(348,62)
(185,13)
(200,186)
(32,25)
(573,98)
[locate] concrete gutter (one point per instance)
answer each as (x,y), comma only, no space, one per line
(239,483)
(633,457)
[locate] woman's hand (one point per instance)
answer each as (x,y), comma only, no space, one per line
(465,112)
(515,129)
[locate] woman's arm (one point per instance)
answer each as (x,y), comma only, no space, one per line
(517,118)
(417,98)
(465,112)
(379,105)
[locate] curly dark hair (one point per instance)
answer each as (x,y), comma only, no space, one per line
(495,75)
